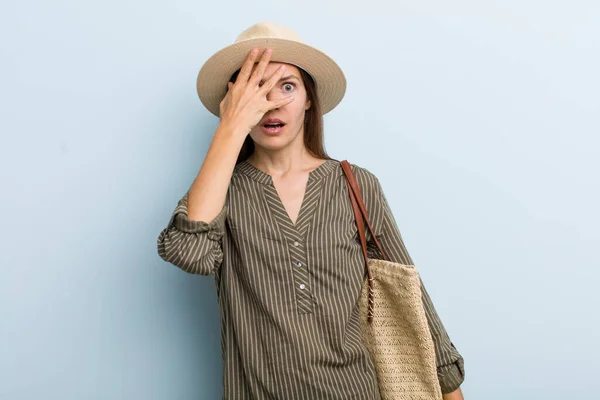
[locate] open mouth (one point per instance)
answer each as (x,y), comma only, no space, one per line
(273,127)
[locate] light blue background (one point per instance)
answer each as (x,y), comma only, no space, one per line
(481,120)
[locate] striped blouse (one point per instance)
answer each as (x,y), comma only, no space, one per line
(288,291)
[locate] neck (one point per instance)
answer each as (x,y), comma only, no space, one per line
(294,157)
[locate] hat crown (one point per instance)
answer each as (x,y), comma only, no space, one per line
(268,30)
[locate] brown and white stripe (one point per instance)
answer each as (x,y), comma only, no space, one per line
(288,292)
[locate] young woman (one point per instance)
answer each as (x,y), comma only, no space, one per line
(270,216)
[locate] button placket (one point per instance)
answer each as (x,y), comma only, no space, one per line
(301,276)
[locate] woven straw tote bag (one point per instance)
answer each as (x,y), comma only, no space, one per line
(393,322)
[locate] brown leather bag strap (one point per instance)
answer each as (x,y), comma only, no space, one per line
(360,212)
(360,208)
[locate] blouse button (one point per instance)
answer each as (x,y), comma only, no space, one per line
(302,286)
(298,264)
(296,244)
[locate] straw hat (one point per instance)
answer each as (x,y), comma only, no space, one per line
(287,48)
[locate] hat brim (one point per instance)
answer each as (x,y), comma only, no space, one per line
(217,70)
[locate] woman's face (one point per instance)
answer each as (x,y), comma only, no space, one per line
(269,133)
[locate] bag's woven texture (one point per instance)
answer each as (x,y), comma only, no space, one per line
(398,338)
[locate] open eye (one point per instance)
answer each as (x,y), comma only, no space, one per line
(288,87)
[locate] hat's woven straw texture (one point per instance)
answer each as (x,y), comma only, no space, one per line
(398,338)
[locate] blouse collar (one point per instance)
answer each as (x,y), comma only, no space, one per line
(262,177)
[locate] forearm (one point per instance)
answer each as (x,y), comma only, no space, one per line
(207,194)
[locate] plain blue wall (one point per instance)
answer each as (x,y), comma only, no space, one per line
(480,118)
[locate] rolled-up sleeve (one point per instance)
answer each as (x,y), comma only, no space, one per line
(194,246)
(449,362)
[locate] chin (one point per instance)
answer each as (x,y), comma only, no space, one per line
(271,142)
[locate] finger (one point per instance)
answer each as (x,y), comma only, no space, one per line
(229,85)
(279,103)
(272,81)
(259,70)
(247,66)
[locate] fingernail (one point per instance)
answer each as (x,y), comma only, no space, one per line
(269,50)
(254,51)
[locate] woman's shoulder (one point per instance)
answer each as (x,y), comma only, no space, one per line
(364,175)
(369,186)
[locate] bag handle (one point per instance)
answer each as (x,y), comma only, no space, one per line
(360,212)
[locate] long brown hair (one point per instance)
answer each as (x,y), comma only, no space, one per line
(313,123)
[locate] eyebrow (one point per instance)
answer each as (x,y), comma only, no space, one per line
(285,78)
